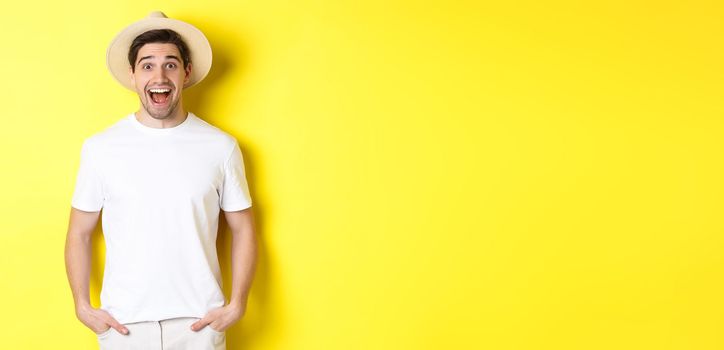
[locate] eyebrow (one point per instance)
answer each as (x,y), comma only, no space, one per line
(167,57)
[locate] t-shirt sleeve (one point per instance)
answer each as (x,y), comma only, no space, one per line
(88,193)
(235,193)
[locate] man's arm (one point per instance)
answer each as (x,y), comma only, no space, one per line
(243,265)
(78,266)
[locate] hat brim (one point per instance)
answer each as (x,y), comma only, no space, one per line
(117,53)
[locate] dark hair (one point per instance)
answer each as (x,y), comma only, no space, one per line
(163,36)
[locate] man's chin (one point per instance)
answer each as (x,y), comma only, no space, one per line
(159,113)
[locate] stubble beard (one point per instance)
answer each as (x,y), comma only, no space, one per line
(156,114)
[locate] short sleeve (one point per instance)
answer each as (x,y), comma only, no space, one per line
(88,193)
(235,193)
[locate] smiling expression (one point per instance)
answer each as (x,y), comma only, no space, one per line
(159,78)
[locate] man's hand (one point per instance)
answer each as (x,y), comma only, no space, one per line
(99,320)
(220,319)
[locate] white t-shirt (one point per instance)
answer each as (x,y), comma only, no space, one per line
(161,191)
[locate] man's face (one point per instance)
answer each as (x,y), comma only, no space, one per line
(159,78)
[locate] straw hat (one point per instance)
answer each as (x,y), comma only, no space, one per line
(117,54)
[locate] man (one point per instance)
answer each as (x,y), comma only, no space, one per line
(161,176)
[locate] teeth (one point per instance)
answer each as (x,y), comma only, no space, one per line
(159,91)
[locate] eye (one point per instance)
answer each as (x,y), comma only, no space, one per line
(146,66)
(170,65)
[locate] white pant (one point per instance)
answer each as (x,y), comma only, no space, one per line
(170,334)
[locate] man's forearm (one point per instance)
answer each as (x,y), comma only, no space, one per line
(77,265)
(243,263)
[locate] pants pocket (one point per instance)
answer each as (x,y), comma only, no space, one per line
(213,330)
(104,333)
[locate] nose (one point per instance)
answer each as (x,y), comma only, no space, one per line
(159,75)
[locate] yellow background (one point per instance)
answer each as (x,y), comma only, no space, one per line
(426,174)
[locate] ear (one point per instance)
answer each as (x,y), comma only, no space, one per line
(133,77)
(188,73)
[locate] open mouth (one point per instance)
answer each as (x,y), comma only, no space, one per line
(159,96)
